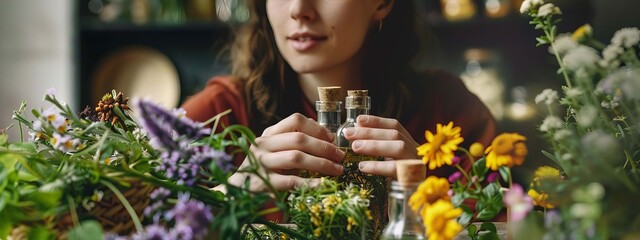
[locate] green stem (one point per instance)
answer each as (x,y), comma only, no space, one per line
(126,204)
(202,194)
(72,209)
(557,55)
(466,175)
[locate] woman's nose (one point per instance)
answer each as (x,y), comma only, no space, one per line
(302,10)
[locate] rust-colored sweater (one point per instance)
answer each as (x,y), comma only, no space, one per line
(445,99)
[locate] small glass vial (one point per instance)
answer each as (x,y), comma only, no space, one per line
(403,222)
(358,103)
(328,108)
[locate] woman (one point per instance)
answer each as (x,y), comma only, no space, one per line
(291,47)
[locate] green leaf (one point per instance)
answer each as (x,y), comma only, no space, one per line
(46,200)
(471,230)
(87,230)
(505,173)
(467,215)
(3,139)
(488,226)
(39,233)
(480,167)
(5,225)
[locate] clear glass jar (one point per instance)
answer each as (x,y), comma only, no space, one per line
(403,222)
(329,116)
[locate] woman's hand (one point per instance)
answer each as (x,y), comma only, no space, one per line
(378,136)
(293,144)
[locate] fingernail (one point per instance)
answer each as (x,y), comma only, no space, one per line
(330,135)
(339,168)
(362,166)
(350,132)
(340,154)
(357,144)
(363,118)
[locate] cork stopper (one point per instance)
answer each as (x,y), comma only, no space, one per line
(410,171)
(329,100)
(329,93)
(358,93)
(358,99)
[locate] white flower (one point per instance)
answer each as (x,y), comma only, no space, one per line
(563,44)
(626,80)
(550,123)
(585,210)
(586,116)
(548,9)
(51,92)
(573,92)
(528,4)
(612,52)
(626,37)
(64,142)
(562,134)
(581,57)
(548,96)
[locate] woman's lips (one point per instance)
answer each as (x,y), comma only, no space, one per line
(303,42)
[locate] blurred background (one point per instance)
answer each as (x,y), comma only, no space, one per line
(168,49)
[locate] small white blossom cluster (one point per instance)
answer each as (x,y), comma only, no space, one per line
(528,4)
(563,44)
(625,80)
(551,123)
(548,96)
(581,58)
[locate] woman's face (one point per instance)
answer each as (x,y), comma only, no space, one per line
(317,35)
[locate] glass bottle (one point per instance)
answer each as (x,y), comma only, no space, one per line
(328,108)
(404,223)
(358,103)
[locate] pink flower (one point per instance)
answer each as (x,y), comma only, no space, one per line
(455,160)
(492,177)
(454,177)
(518,201)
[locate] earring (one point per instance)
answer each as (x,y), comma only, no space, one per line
(380,25)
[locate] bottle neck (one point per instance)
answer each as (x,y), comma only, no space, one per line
(353,113)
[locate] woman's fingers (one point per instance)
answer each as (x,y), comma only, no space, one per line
(288,182)
(302,142)
(295,159)
(394,149)
(382,168)
(299,123)
(370,121)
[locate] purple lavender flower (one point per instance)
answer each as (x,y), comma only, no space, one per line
(192,218)
(152,232)
(182,125)
(492,177)
(551,219)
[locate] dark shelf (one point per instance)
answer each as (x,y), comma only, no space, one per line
(94,25)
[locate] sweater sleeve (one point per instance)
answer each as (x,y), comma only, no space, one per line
(220,94)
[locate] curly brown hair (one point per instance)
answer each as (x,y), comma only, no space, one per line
(387,67)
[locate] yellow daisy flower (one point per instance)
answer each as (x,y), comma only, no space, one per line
(507,149)
(540,199)
(440,221)
(545,172)
(440,146)
(429,191)
(476,150)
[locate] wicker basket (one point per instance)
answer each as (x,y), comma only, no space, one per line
(109,212)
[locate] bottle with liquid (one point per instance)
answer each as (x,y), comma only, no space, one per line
(358,103)
(403,222)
